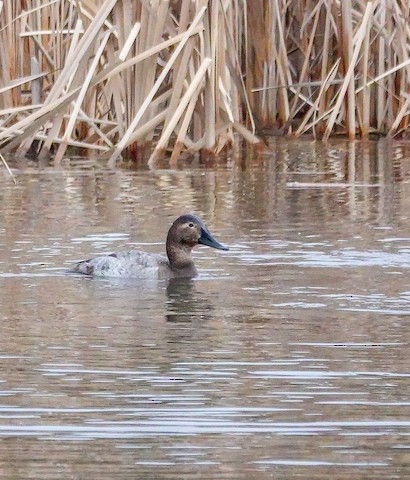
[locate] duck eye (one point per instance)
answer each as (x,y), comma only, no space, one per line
(190,225)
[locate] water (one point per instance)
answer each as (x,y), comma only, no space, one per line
(287,357)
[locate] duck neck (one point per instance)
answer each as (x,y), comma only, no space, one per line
(179,255)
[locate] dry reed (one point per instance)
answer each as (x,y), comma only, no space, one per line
(133,76)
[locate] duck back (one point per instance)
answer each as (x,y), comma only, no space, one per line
(133,264)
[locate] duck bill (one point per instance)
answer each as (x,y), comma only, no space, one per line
(207,239)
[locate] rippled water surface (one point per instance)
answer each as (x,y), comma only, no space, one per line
(288,357)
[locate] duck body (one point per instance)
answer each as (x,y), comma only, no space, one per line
(186,232)
(132,264)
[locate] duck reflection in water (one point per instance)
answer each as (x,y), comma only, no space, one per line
(185,303)
(186,232)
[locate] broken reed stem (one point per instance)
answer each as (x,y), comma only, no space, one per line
(8,169)
(120,75)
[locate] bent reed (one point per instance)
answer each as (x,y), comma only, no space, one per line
(132,76)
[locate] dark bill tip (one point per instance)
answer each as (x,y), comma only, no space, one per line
(207,239)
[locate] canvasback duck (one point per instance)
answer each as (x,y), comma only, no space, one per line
(186,232)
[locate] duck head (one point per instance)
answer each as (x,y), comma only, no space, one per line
(186,232)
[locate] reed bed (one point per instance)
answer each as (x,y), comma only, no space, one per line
(144,77)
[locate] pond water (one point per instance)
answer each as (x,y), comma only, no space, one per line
(287,357)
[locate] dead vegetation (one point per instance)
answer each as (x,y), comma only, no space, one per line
(140,76)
